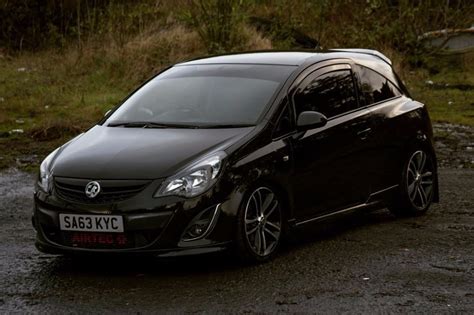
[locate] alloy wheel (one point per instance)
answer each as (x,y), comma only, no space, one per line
(420,180)
(263,221)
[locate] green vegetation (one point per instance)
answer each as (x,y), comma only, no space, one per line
(446,86)
(48,103)
(64,63)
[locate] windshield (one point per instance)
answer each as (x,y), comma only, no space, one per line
(203,95)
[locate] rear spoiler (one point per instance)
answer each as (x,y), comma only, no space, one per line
(366,52)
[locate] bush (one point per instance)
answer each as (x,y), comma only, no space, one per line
(35,24)
(219,23)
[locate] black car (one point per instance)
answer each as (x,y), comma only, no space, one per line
(234,151)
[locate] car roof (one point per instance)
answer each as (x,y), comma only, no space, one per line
(272,58)
(290,58)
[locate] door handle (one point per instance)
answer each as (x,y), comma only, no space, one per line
(363,134)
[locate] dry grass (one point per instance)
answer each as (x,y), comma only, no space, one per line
(140,57)
(53,95)
(143,55)
(255,40)
(399,61)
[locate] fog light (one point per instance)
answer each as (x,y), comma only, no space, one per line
(201,225)
(198,230)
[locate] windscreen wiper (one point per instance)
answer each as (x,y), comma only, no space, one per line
(218,126)
(148,124)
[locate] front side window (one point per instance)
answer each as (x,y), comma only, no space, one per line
(331,94)
(205,95)
(374,87)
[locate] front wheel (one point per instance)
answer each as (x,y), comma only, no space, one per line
(415,193)
(259,226)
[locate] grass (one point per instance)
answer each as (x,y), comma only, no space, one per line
(53,95)
(49,104)
(446,85)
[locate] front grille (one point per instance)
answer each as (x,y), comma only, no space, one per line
(72,189)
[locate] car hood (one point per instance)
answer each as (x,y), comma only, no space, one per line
(138,153)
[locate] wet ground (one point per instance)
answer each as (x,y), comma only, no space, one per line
(363,263)
(454,145)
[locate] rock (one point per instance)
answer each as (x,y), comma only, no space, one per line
(27,159)
(16,131)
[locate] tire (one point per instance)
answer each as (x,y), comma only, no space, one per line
(259,226)
(416,189)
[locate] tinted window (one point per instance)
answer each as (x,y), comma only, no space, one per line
(205,95)
(374,87)
(331,94)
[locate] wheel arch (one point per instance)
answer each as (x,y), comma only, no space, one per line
(423,141)
(243,192)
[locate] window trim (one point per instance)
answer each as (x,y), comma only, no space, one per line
(381,102)
(286,104)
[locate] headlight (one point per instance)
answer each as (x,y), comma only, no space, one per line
(44,179)
(193,180)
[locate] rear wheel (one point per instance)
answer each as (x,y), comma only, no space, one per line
(416,191)
(260,222)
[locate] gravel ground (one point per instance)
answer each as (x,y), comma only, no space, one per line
(454,145)
(363,263)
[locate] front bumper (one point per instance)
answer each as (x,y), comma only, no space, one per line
(157,230)
(56,249)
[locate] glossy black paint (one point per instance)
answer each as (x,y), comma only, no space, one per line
(351,162)
(105,153)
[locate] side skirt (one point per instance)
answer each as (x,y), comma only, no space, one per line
(375,201)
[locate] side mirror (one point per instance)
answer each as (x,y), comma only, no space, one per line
(309,120)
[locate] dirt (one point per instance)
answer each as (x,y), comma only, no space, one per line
(371,262)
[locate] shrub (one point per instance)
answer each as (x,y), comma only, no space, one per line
(219,23)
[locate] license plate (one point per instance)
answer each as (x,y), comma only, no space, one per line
(90,223)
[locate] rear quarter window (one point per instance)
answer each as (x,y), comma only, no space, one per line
(374,87)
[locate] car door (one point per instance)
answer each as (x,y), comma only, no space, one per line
(330,162)
(381,98)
